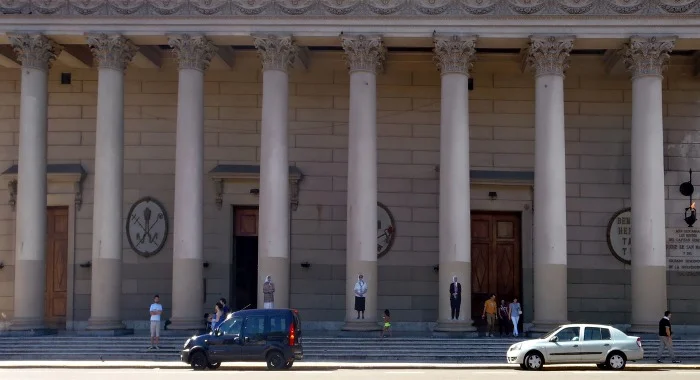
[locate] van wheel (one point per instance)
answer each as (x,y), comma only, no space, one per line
(534,361)
(215,365)
(616,361)
(289,364)
(275,360)
(199,361)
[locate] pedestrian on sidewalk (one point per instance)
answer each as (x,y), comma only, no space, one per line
(515,311)
(387,323)
(156,310)
(665,338)
(489,313)
(503,319)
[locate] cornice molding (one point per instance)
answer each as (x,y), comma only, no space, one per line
(349,8)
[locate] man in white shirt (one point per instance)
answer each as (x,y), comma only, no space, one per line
(156,311)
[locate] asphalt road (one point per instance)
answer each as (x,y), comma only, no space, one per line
(305,374)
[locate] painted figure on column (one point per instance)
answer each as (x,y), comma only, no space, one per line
(268,293)
(455,297)
(360,292)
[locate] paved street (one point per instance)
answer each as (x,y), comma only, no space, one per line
(344,374)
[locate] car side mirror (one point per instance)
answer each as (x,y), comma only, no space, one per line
(554,339)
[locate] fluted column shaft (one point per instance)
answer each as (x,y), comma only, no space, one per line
(454,57)
(276,54)
(112,54)
(364,56)
(36,53)
(646,59)
(194,54)
(548,56)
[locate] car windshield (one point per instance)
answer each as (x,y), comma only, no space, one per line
(551,332)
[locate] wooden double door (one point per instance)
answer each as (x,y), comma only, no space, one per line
(496,258)
(56,292)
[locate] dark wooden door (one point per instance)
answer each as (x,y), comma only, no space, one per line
(244,268)
(246,222)
(56,293)
(496,258)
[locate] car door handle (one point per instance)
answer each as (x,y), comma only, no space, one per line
(606,345)
(575,345)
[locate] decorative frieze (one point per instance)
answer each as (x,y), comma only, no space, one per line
(364,53)
(549,55)
(276,53)
(454,54)
(35,51)
(647,55)
(341,8)
(192,52)
(111,51)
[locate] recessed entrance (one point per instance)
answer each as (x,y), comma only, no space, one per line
(55,294)
(244,262)
(496,259)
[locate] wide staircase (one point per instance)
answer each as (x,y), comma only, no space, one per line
(316,348)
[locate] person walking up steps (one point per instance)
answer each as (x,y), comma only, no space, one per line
(665,339)
(156,310)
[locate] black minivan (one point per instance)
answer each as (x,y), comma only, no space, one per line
(270,335)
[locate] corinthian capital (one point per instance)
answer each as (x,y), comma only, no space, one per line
(276,53)
(549,55)
(111,51)
(454,54)
(648,55)
(35,51)
(363,53)
(193,52)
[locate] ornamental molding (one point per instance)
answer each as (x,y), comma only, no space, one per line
(348,8)
(454,54)
(364,53)
(192,52)
(111,51)
(549,55)
(35,51)
(275,52)
(647,55)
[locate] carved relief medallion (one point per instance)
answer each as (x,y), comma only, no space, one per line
(386,229)
(147,227)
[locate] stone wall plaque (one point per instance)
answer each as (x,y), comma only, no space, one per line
(619,235)
(683,250)
(147,226)
(386,229)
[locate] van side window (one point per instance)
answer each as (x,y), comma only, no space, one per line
(279,325)
(232,326)
(254,328)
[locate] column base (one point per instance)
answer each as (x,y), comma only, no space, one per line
(110,332)
(96,324)
(194,325)
(644,328)
(26,324)
(454,326)
(545,326)
(361,326)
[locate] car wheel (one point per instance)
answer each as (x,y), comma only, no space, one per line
(602,366)
(214,365)
(199,361)
(534,361)
(289,364)
(275,360)
(616,361)
(523,367)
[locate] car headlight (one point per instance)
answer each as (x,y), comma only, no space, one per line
(187,343)
(516,347)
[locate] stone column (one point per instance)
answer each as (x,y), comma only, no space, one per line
(454,56)
(364,56)
(194,54)
(276,54)
(549,58)
(36,53)
(646,58)
(112,54)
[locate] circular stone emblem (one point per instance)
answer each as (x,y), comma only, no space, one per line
(147,227)
(386,230)
(619,235)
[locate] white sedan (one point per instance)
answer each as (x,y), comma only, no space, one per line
(605,346)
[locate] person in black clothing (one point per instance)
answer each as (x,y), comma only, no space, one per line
(455,297)
(665,340)
(503,319)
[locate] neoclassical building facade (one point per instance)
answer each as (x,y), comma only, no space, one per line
(192,148)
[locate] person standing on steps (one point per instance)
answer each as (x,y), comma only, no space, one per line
(455,298)
(268,293)
(360,292)
(226,310)
(503,319)
(665,338)
(515,311)
(490,309)
(156,310)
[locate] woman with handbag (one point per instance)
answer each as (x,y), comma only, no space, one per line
(515,311)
